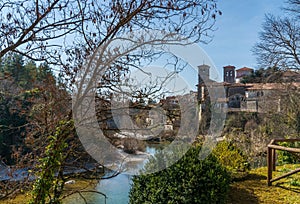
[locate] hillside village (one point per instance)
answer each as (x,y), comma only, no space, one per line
(234,94)
(251,97)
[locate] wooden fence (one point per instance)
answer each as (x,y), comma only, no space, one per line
(271,157)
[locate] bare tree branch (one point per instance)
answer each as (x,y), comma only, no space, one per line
(279,44)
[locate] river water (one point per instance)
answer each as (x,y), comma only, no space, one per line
(116,189)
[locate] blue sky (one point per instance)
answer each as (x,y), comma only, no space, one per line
(237,31)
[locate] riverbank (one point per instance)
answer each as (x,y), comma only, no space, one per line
(251,190)
(137,160)
(79,184)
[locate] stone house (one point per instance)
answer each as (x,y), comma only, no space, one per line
(255,97)
(242,72)
(267,97)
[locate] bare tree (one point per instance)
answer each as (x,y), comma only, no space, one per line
(280,39)
(293,7)
(279,44)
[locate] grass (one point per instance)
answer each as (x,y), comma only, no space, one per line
(80,184)
(254,188)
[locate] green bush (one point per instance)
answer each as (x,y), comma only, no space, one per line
(232,158)
(285,157)
(189,180)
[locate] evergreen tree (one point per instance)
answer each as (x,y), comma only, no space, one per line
(44,72)
(30,74)
(14,67)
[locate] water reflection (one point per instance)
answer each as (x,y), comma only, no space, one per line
(117,188)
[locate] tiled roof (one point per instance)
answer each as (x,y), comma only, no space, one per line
(245,69)
(236,85)
(229,66)
(290,74)
(274,86)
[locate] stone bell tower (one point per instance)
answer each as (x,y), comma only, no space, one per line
(203,77)
(229,74)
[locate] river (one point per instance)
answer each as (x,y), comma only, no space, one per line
(116,189)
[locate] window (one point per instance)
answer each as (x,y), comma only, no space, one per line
(259,93)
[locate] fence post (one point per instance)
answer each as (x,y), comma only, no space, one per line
(270,165)
(273,159)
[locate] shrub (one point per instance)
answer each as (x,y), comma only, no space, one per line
(295,182)
(189,180)
(285,157)
(232,158)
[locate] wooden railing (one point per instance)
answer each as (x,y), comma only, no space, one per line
(271,158)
